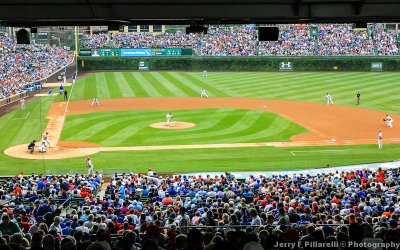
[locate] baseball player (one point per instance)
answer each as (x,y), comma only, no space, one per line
(169,116)
(380,136)
(73,79)
(46,138)
(89,164)
(61,89)
(65,79)
(42,148)
(328,99)
(95,100)
(22,103)
(389,121)
(203,92)
(358,98)
(205,73)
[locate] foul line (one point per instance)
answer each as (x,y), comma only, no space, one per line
(66,110)
(317,151)
(27,115)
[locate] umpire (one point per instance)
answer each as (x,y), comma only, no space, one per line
(358,98)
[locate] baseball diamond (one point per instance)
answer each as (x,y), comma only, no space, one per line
(267,114)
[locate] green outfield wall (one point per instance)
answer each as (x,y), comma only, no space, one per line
(243,63)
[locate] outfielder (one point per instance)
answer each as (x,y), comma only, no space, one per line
(46,138)
(328,99)
(205,73)
(89,164)
(389,121)
(203,92)
(22,103)
(380,136)
(169,116)
(95,101)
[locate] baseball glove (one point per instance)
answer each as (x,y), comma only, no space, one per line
(172,116)
(384,120)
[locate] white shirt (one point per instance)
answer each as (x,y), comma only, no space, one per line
(89,163)
(380,135)
(328,97)
(168,116)
(389,118)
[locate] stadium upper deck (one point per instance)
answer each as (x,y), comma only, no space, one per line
(294,40)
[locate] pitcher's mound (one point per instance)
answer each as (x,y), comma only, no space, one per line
(173,125)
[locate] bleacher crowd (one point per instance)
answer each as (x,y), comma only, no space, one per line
(23,64)
(241,40)
(202,212)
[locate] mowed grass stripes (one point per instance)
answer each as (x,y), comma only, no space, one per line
(131,128)
(379,91)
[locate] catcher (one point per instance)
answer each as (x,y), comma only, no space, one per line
(388,121)
(169,116)
(89,165)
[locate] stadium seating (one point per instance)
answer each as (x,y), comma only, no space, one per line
(188,212)
(240,40)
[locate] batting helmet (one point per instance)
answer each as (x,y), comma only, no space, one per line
(87,158)
(149,169)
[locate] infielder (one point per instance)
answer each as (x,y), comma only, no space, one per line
(328,99)
(380,136)
(95,101)
(61,89)
(73,79)
(46,138)
(89,164)
(169,116)
(358,98)
(389,121)
(203,92)
(205,73)
(22,103)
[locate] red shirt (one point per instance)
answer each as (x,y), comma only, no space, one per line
(167,201)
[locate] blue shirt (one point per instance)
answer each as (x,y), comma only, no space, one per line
(67,231)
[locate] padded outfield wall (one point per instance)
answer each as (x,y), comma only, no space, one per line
(360,63)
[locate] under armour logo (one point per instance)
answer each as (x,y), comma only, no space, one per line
(287,64)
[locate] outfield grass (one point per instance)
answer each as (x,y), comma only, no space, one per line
(379,91)
(131,128)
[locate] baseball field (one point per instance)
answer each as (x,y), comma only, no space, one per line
(251,121)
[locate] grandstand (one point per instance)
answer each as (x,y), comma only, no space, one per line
(157,186)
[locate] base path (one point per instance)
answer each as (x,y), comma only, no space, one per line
(329,124)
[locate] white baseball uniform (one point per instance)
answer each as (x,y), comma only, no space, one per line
(169,115)
(73,78)
(328,99)
(65,79)
(203,92)
(90,166)
(95,101)
(42,148)
(22,103)
(389,121)
(205,73)
(380,136)
(46,138)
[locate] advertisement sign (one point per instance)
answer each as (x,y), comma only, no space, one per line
(143,65)
(135,52)
(285,66)
(105,52)
(166,52)
(376,66)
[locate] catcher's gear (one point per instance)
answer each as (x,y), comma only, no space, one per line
(384,120)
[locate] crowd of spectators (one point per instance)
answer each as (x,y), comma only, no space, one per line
(203,212)
(386,42)
(242,40)
(21,64)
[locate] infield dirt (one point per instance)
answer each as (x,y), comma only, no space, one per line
(329,124)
